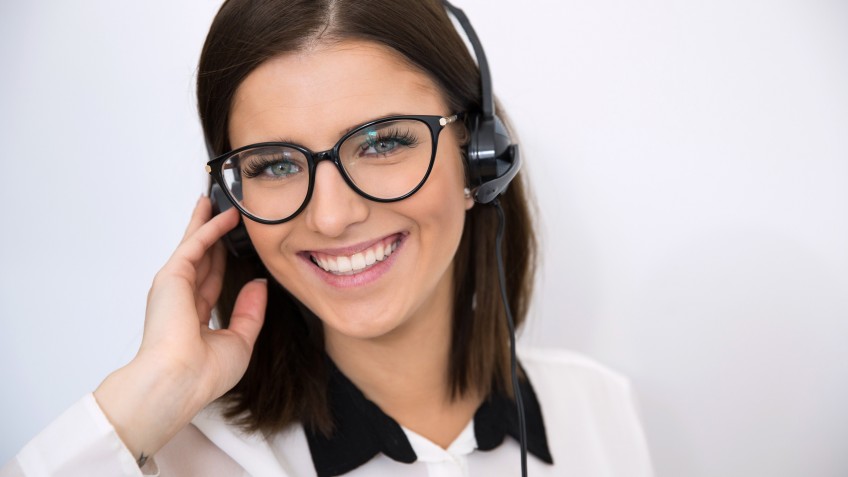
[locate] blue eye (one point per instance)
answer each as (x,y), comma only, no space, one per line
(386,142)
(271,166)
(282,169)
(381,146)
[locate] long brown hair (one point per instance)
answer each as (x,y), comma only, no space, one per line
(286,380)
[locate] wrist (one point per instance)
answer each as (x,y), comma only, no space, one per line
(147,404)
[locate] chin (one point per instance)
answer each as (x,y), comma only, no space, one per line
(361,324)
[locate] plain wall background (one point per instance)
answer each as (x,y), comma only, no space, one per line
(690,160)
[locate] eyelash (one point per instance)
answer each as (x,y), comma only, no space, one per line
(257,167)
(405,138)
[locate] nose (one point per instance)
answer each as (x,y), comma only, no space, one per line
(334,206)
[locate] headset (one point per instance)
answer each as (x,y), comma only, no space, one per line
(492,160)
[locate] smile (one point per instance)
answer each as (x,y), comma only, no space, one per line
(359,261)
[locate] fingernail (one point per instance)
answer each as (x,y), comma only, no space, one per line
(261,280)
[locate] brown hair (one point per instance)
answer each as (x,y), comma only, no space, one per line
(286,380)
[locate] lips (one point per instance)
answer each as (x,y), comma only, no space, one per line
(349,262)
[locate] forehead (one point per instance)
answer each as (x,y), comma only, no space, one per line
(312,97)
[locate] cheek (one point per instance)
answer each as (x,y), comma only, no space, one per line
(268,240)
(449,165)
(442,196)
(282,264)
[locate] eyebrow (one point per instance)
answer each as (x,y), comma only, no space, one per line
(288,139)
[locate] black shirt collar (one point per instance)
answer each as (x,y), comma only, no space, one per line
(362,430)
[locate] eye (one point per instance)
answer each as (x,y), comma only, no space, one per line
(282,169)
(382,146)
(383,143)
(272,165)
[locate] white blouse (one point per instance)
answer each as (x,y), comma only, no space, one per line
(590,422)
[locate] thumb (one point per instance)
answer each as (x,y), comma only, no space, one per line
(249,310)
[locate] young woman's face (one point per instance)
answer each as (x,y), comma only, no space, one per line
(312,98)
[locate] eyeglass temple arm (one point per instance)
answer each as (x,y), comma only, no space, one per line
(449,119)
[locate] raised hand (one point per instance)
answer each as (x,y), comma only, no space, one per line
(182,364)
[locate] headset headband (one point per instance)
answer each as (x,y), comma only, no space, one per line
(487,99)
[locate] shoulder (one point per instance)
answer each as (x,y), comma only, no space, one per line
(569,369)
(590,414)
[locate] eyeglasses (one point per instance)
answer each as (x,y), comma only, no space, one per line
(384,160)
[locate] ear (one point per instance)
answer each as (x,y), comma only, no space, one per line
(469,200)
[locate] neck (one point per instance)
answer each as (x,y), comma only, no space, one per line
(408,366)
(406,374)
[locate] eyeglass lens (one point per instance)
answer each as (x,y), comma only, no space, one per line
(386,160)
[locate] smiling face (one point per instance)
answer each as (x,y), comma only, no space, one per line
(369,270)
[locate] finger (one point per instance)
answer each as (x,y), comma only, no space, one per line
(249,311)
(175,287)
(205,265)
(213,262)
(194,247)
(211,281)
(232,347)
(200,215)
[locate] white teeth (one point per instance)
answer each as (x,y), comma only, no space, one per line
(357,261)
(344,264)
(332,266)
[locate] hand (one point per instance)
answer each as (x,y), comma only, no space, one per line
(182,364)
(180,303)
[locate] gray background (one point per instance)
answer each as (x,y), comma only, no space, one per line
(690,160)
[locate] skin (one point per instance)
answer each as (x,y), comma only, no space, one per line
(391,336)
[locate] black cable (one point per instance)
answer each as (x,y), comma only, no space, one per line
(519,403)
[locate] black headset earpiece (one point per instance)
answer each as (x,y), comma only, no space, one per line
(493,160)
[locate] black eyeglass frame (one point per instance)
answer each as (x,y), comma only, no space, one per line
(435,123)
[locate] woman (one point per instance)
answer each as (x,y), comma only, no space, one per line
(384,346)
